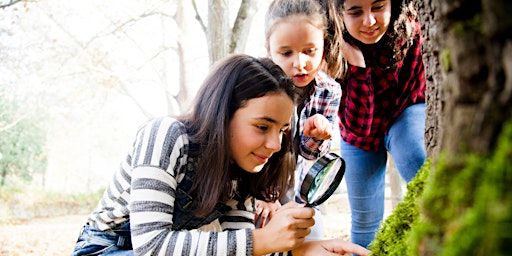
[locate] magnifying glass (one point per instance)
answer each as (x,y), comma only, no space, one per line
(321,181)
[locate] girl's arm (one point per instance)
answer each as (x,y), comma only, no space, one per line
(319,113)
(159,160)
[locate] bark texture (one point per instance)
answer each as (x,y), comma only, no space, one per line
(468,55)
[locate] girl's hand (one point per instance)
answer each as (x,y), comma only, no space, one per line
(318,127)
(353,54)
(330,247)
(287,229)
(264,212)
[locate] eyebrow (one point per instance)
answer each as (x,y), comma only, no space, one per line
(271,120)
(359,7)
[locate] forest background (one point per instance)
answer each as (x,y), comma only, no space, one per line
(78,77)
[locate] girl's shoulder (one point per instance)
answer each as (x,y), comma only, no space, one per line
(164,128)
(164,122)
(325,82)
(160,142)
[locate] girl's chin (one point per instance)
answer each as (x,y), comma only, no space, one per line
(256,169)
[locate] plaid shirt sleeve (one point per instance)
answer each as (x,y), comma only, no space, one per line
(325,100)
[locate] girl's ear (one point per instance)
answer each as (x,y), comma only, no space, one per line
(267,47)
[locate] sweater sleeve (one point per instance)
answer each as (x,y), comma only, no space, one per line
(325,101)
(159,158)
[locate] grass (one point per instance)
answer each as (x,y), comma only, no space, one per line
(17,205)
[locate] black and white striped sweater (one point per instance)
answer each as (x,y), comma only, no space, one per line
(143,192)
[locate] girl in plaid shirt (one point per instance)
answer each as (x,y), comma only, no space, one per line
(296,40)
(380,68)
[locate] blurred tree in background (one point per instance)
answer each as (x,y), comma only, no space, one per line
(95,70)
(22,141)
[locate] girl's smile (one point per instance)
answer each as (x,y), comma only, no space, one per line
(367,20)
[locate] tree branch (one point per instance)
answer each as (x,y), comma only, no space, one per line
(242,26)
(8,3)
(198,17)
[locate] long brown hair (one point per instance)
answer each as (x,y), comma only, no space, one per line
(230,84)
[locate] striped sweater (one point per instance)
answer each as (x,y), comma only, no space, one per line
(143,192)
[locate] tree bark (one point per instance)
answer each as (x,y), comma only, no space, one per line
(218,29)
(242,26)
(467,53)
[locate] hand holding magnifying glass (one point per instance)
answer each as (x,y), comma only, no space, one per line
(321,181)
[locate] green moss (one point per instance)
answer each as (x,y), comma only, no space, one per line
(462,207)
(476,218)
(391,239)
(471,26)
(445,60)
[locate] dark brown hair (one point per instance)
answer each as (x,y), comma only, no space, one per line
(230,84)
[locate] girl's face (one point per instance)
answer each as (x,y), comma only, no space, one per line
(257,129)
(297,46)
(367,20)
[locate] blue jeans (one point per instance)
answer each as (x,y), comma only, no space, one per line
(105,243)
(365,170)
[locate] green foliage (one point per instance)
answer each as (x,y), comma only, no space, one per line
(22,138)
(391,238)
(467,206)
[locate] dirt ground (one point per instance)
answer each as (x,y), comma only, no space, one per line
(57,235)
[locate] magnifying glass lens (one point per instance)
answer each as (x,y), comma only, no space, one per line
(323,181)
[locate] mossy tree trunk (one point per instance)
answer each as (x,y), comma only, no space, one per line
(468,55)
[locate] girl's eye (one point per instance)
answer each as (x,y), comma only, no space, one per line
(354,13)
(378,7)
(262,127)
(310,51)
(287,53)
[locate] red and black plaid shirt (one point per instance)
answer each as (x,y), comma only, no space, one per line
(373,97)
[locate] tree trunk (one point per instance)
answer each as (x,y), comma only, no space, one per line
(468,55)
(218,29)
(429,20)
(242,26)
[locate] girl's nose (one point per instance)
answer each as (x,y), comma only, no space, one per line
(369,19)
(273,142)
(300,61)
